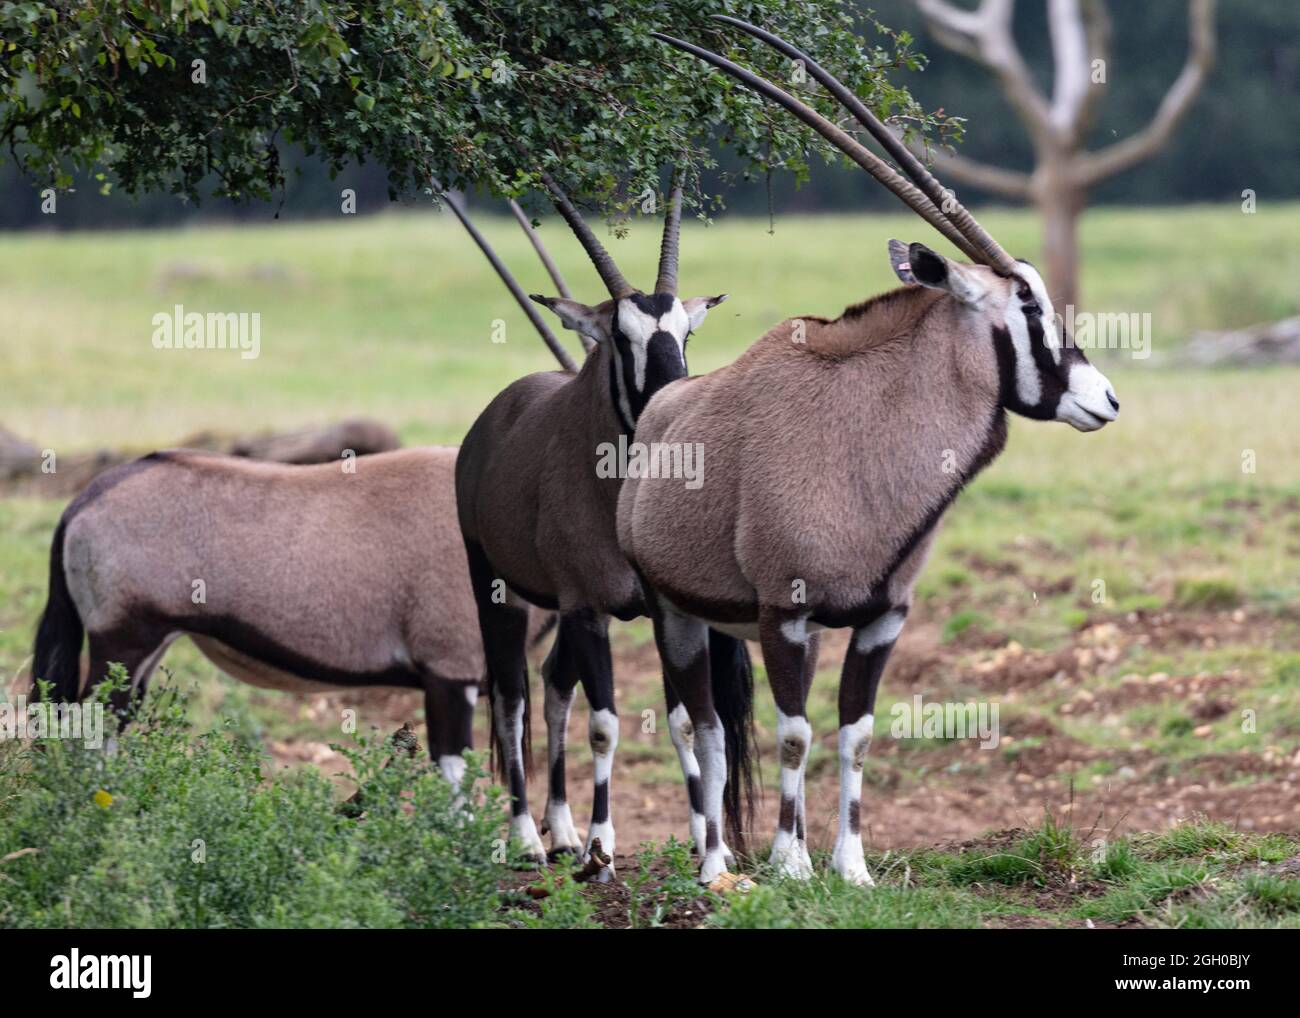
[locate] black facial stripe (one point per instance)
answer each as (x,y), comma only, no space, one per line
(1008,395)
(629,426)
(664,361)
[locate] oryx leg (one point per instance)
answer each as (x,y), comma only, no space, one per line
(683,644)
(682,732)
(503,623)
(560,679)
(449,715)
(800,815)
(138,650)
(863,665)
(785,641)
(586,634)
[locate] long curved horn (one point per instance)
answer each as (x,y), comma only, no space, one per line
(991,251)
(614,282)
(851,147)
(548,337)
(552,270)
(671,244)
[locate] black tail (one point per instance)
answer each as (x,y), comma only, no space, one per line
(732,680)
(57,656)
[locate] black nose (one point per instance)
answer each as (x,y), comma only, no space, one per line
(1114,403)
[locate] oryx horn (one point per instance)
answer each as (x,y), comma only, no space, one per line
(613,279)
(516,291)
(667,281)
(992,253)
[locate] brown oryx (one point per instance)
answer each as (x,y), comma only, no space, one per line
(834,447)
(343,574)
(539,526)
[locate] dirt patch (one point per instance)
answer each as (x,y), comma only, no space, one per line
(1202,694)
(949,792)
(617,902)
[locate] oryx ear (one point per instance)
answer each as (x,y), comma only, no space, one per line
(591,322)
(898,258)
(697,308)
(918,264)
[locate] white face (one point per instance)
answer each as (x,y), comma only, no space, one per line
(1046,369)
(643,319)
(646,335)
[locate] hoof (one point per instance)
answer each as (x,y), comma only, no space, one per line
(712,868)
(859,878)
(792,865)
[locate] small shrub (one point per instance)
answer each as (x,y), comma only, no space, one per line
(178,829)
(565,907)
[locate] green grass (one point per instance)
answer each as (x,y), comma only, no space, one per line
(394,316)
(1200,874)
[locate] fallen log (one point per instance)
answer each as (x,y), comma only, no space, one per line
(1268,343)
(358,436)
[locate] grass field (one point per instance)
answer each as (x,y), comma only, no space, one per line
(1125,699)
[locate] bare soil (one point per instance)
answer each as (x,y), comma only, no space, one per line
(956,791)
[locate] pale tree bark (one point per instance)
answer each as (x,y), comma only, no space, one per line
(1064,171)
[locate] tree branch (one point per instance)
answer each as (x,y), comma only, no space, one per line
(1071,80)
(1173,107)
(985,36)
(995,179)
(1096,26)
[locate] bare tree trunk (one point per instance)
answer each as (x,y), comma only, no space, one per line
(1060,203)
(1064,171)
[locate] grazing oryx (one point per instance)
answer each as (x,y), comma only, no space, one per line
(834,447)
(539,526)
(287,577)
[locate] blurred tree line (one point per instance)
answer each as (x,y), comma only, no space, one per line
(1244,131)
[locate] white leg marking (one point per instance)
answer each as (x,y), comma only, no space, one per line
(453,768)
(847,859)
(711,749)
(683,736)
(884,630)
(603,734)
(558,817)
(522,828)
(524,832)
(794,737)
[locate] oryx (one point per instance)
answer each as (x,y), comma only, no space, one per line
(538,522)
(834,447)
(321,577)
